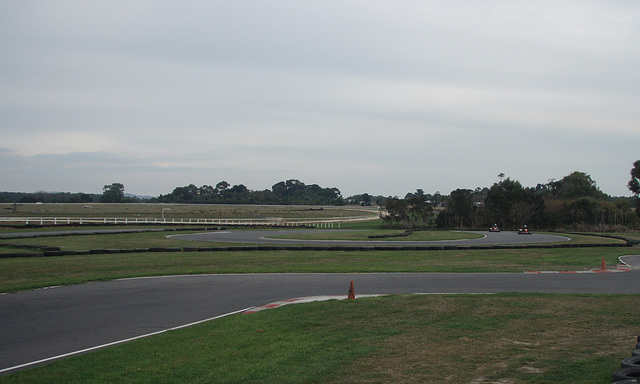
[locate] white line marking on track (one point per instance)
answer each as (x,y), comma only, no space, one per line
(120,341)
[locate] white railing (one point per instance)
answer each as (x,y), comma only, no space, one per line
(329,223)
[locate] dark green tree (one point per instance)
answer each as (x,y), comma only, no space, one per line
(583,210)
(574,186)
(113,193)
(634,183)
(394,212)
(186,194)
(511,205)
(239,194)
(412,213)
(222,189)
(419,212)
(460,207)
(294,191)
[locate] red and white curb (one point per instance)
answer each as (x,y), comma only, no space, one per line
(620,268)
(629,262)
(300,300)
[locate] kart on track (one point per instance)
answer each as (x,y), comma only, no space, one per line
(494,228)
(524,231)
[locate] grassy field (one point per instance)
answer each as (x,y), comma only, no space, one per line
(504,338)
(178,211)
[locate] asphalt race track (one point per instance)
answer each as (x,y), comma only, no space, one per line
(50,323)
(266,237)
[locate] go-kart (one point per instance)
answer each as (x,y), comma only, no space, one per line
(494,228)
(524,231)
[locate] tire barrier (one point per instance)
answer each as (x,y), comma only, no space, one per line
(632,374)
(406,233)
(629,372)
(40,250)
(633,361)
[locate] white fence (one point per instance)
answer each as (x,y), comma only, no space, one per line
(133,221)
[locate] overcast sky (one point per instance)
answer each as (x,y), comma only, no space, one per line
(382,97)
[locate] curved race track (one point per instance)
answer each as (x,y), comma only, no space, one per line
(47,324)
(267,237)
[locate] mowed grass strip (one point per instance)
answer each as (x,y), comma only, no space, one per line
(18,274)
(504,338)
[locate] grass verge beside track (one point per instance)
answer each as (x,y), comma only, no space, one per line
(18,274)
(504,338)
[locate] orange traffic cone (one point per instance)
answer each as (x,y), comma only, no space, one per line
(603,266)
(352,292)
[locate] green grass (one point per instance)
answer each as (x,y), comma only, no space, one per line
(504,338)
(178,211)
(18,274)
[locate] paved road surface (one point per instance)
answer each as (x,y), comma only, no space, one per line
(266,237)
(40,324)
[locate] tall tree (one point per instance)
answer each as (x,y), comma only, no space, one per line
(419,212)
(113,193)
(395,212)
(634,183)
(574,186)
(512,205)
(411,213)
(461,207)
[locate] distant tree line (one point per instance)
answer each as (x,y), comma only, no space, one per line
(113,193)
(285,192)
(48,197)
(574,202)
